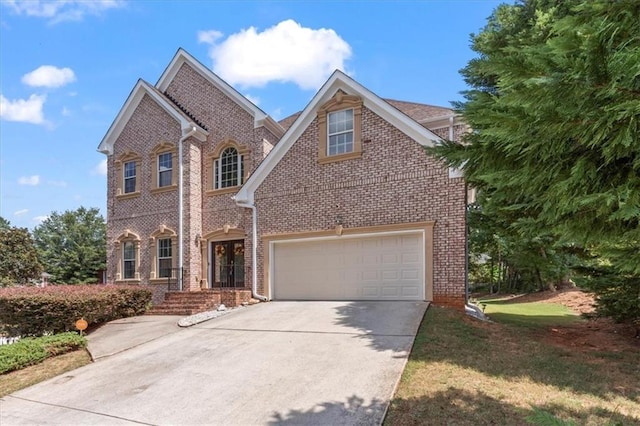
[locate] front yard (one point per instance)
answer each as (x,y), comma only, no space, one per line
(558,370)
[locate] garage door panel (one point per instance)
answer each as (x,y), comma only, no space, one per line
(350,268)
(410,292)
(390,258)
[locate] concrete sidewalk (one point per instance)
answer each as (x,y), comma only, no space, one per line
(120,335)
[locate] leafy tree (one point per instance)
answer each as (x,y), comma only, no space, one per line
(72,245)
(555,108)
(4,223)
(18,257)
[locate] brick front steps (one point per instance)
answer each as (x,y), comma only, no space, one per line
(193,302)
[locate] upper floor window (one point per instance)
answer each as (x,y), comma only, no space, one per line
(340,128)
(165,172)
(129,177)
(127,169)
(228,169)
(340,132)
(165,169)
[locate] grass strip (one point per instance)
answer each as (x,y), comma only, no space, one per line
(33,350)
(466,372)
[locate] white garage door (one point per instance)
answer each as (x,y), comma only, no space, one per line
(383,267)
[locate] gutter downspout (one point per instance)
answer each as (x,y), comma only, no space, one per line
(181,206)
(470,308)
(254,249)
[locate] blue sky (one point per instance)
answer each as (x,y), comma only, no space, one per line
(66,69)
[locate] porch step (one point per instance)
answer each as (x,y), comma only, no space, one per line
(193,302)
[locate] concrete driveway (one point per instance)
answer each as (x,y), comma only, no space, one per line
(273,363)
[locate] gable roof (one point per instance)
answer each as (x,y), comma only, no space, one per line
(181,57)
(157,93)
(141,89)
(337,81)
(422,113)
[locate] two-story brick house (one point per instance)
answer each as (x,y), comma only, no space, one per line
(337,202)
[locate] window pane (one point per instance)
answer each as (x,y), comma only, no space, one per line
(128,260)
(129,251)
(340,132)
(129,269)
(129,177)
(229,168)
(164,247)
(129,185)
(130,169)
(165,169)
(164,257)
(164,268)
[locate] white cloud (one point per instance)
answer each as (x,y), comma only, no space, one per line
(29,180)
(40,219)
(286,52)
(26,111)
(20,212)
(60,11)
(66,112)
(49,76)
(276,113)
(100,169)
(209,36)
(59,183)
(254,99)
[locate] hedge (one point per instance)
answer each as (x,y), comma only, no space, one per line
(35,311)
(32,350)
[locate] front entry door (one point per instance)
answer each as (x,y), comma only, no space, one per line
(228,263)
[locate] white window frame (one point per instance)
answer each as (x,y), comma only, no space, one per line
(167,170)
(217,169)
(338,133)
(126,178)
(125,260)
(160,258)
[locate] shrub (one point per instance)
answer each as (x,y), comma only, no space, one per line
(33,311)
(29,351)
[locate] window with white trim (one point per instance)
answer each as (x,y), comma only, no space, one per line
(340,128)
(129,171)
(165,169)
(227,170)
(165,258)
(128,260)
(340,132)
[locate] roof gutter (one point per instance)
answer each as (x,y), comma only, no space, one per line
(254,248)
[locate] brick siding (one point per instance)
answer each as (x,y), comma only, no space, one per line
(393,182)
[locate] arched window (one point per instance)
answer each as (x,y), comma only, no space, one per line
(228,169)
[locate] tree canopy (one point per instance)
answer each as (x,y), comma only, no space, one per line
(18,257)
(4,223)
(72,245)
(554,106)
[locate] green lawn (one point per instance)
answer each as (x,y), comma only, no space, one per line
(466,372)
(531,314)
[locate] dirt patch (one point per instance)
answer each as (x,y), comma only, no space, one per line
(595,334)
